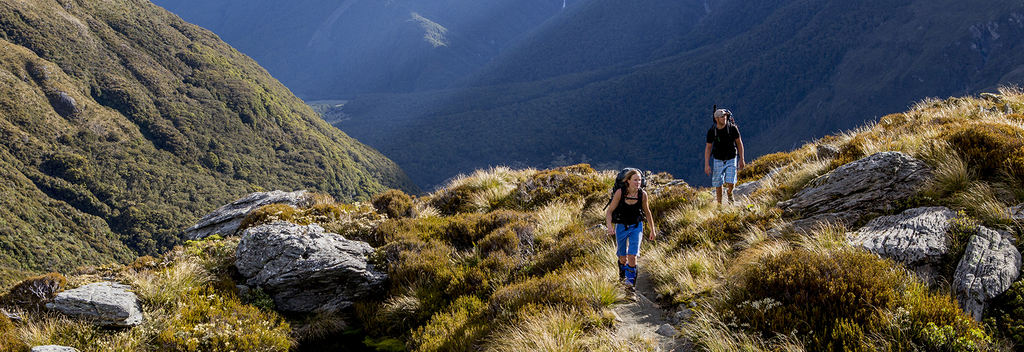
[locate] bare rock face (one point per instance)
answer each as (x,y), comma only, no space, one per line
(988,267)
(226,219)
(104,303)
(870,185)
(305,269)
(916,238)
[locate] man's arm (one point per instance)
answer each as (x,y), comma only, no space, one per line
(740,164)
(707,157)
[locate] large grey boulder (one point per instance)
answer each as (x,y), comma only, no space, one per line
(104,303)
(872,185)
(226,219)
(916,238)
(305,269)
(990,264)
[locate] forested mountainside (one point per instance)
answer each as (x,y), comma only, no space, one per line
(122,124)
(338,49)
(790,70)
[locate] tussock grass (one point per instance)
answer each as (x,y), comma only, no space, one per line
(550,329)
(594,282)
(711,333)
(554,217)
(686,275)
(165,287)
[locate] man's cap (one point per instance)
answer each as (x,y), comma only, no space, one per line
(722,112)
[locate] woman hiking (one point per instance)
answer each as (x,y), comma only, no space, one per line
(625,217)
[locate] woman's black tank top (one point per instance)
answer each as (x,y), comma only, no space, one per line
(629,214)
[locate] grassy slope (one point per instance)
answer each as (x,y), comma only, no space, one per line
(790,70)
(513,260)
(168,122)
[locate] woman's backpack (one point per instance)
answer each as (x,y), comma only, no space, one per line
(620,182)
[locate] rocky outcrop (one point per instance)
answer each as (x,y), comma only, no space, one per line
(226,219)
(988,267)
(305,269)
(916,238)
(870,185)
(104,303)
(748,188)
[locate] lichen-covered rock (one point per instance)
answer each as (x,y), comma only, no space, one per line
(104,303)
(226,219)
(872,185)
(990,264)
(916,238)
(305,269)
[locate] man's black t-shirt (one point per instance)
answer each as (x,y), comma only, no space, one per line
(723,141)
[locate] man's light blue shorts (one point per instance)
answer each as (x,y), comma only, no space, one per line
(628,238)
(724,172)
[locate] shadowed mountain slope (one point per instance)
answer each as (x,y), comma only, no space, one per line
(791,71)
(338,49)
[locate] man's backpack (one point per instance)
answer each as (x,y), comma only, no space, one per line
(730,120)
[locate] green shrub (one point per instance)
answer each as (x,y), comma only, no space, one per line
(564,184)
(722,227)
(8,330)
(1006,313)
(671,198)
(989,147)
(395,204)
(33,293)
(571,243)
(850,151)
(268,214)
(458,328)
(464,230)
(764,164)
(961,229)
(829,298)
(206,321)
(144,263)
(260,299)
(550,290)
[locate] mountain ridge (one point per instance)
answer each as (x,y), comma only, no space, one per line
(122,124)
(791,71)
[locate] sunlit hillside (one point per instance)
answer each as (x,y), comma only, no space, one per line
(515,260)
(121,125)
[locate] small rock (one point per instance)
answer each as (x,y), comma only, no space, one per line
(53,348)
(667,330)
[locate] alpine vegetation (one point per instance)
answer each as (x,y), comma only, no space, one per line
(897,236)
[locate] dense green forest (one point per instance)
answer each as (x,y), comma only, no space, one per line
(122,125)
(790,70)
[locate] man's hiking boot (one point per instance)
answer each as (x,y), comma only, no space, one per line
(622,270)
(730,197)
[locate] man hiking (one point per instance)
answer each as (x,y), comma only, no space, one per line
(724,144)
